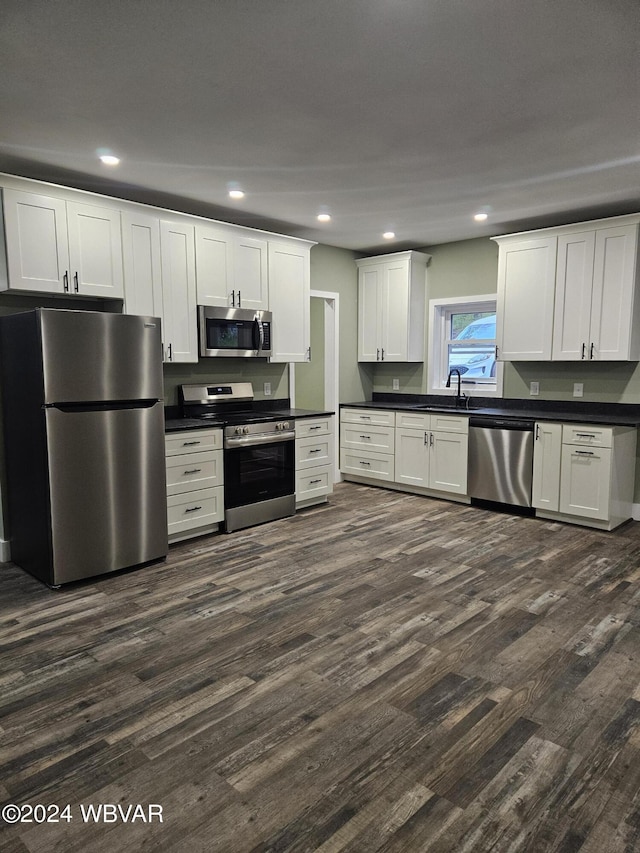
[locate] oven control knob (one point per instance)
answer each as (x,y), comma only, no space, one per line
(238,430)
(245,430)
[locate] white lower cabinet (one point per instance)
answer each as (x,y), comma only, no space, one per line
(195,478)
(596,474)
(432,452)
(314,460)
(546,466)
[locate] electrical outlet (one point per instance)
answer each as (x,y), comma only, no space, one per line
(267,389)
(534,389)
(578,389)
(395,384)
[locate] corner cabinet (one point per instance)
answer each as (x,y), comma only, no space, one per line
(290,300)
(63,247)
(391,307)
(570,293)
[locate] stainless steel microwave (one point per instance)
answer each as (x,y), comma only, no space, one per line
(234,332)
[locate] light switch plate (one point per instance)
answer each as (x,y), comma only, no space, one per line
(534,389)
(395,384)
(578,389)
(267,389)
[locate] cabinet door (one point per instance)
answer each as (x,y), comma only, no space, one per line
(369,310)
(395,311)
(574,279)
(214,267)
(448,463)
(585,478)
(412,457)
(37,242)
(290,301)
(141,261)
(177,251)
(614,281)
(526,284)
(95,251)
(250,274)
(546,466)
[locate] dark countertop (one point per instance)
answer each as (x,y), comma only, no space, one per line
(176,424)
(612,414)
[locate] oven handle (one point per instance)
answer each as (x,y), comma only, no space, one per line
(249,440)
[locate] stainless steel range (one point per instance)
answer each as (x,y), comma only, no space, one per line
(259,451)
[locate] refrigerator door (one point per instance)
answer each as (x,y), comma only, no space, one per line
(107,489)
(89,356)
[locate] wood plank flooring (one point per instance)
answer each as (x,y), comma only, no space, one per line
(383,673)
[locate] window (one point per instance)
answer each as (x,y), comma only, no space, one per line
(462,337)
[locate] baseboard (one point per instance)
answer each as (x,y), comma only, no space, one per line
(635,512)
(5,549)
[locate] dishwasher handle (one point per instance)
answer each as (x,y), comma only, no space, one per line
(502,423)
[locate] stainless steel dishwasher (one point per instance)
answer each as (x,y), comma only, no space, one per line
(501,460)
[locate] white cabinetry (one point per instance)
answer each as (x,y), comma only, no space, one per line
(62,247)
(596,312)
(180,325)
(290,300)
(195,478)
(546,466)
(570,293)
(526,281)
(142,264)
(432,451)
(367,443)
(231,269)
(597,475)
(314,460)
(391,307)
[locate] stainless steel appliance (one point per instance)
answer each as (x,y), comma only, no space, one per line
(234,332)
(84,441)
(259,452)
(501,460)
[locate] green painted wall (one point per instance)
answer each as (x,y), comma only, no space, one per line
(309,377)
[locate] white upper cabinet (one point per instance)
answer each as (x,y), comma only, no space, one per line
(63,247)
(180,327)
(391,307)
(232,269)
(526,281)
(290,298)
(142,265)
(570,293)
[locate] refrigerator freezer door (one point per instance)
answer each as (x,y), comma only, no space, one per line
(89,356)
(107,490)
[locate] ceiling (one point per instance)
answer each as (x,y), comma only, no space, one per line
(403,115)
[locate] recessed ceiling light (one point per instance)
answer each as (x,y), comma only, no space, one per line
(324,217)
(234,189)
(389,235)
(236,194)
(109,159)
(481,217)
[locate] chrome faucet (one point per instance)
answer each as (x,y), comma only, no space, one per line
(459,394)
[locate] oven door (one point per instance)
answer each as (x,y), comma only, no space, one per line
(258,472)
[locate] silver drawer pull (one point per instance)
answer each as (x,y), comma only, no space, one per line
(364,463)
(311,482)
(316,450)
(189,443)
(584,453)
(366,436)
(193,471)
(365,417)
(585,435)
(193,508)
(315,427)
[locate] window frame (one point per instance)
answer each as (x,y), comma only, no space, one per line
(439,313)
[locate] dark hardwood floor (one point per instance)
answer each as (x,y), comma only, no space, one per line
(384,673)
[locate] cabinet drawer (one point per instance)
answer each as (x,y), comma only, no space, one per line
(190,471)
(593,436)
(375,417)
(314,483)
(313,451)
(450,423)
(378,466)
(192,441)
(377,438)
(313,426)
(195,509)
(413,420)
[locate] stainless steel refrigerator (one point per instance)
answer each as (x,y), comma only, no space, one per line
(83,426)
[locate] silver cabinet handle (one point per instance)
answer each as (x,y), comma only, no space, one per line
(170,352)
(193,508)
(75,282)
(365,417)
(591,350)
(65,281)
(584,350)
(383,354)
(377,355)
(314,427)
(537,431)
(311,482)
(585,435)
(239,300)
(316,450)
(364,463)
(366,436)
(430,439)
(193,471)
(189,443)
(233,299)
(584,453)
(426,438)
